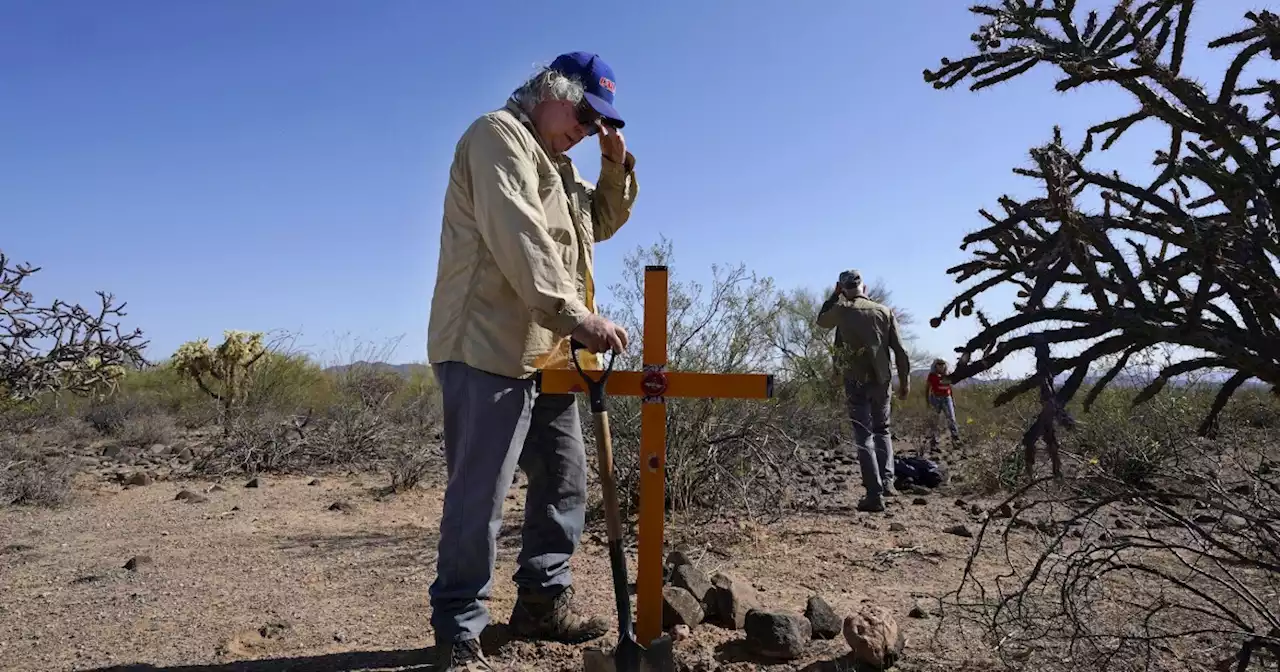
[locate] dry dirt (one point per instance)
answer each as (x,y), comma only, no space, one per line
(270,578)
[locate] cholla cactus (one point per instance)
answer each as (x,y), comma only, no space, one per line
(229,364)
(1111,266)
(59,347)
(100,379)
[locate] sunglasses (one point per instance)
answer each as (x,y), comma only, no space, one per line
(588,118)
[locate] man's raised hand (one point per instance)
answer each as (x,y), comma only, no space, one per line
(612,145)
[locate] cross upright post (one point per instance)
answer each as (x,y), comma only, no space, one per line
(654,385)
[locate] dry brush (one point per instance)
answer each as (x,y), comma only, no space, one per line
(1162,550)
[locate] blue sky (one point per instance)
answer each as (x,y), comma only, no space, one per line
(281,164)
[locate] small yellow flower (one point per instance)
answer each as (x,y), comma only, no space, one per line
(968,421)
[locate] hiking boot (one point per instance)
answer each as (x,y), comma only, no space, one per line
(890,491)
(871,505)
(553,617)
(464,656)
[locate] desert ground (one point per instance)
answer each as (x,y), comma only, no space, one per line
(328,572)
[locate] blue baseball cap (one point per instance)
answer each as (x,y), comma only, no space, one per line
(597,79)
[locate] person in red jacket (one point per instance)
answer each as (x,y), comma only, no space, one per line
(938,393)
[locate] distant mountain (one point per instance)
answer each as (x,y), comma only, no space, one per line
(403,370)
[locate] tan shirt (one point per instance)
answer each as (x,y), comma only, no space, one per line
(866,332)
(514,276)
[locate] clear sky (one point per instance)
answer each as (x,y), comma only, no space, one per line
(281,164)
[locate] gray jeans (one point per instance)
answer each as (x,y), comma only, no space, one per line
(868,406)
(491,424)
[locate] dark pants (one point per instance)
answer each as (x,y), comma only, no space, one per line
(491,424)
(868,406)
(1044,428)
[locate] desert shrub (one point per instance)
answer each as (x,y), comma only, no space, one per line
(410,463)
(147,429)
(27,478)
(1133,444)
(287,382)
(109,415)
(22,417)
(357,428)
(74,431)
(1255,409)
(418,406)
(255,443)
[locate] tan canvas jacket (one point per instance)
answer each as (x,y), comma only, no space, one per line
(514,276)
(866,332)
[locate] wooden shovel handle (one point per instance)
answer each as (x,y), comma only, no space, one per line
(608,481)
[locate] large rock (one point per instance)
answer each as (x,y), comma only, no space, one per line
(191,497)
(777,635)
(678,558)
(823,621)
(874,638)
(734,598)
(680,607)
(132,564)
(696,582)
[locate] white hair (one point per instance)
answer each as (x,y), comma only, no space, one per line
(546,85)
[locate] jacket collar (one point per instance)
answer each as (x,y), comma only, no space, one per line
(514,108)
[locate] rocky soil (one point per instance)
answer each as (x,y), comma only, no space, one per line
(149,568)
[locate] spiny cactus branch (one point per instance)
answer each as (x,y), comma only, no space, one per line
(1188,260)
(60,347)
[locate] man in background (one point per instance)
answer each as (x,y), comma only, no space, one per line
(866,332)
(514,283)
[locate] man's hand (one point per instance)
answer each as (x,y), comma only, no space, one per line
(904,389)
(612,145)
(599,334)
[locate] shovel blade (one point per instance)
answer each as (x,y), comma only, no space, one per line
(629,655)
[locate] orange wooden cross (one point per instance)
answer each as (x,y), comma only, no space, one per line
(654,385)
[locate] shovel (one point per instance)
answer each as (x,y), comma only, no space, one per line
(629,656)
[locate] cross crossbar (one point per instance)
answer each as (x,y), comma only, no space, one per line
(654,385)
(679,384)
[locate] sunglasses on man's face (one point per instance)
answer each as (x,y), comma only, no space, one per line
(588,118)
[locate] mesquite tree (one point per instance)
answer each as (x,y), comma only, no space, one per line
(1189,259)
(62,346)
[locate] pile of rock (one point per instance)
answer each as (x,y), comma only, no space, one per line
(691,598)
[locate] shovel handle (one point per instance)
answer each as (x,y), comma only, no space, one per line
(627,653)
(608,480)
(595,386)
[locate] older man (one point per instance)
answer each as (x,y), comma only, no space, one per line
(866,332)
(514,284)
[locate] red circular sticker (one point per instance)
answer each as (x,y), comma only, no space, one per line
(654,383)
